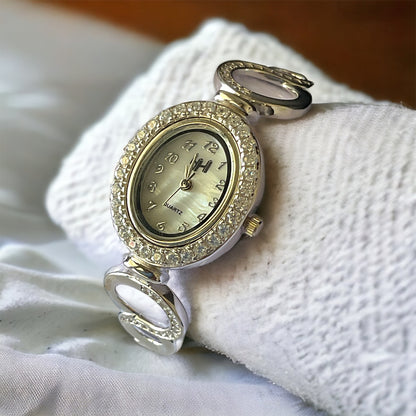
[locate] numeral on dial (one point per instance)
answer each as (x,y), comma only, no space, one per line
(161,225)
(159,168)
(172,158)
(220,185)
(189,144)
(211,146)
(183,227)
(201,216)
(151,205)
(213,202)
(152,186)
(221,165)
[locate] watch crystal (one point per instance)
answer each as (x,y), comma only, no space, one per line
(136,184)
(182,182)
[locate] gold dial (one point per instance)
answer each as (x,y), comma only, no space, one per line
(181,182)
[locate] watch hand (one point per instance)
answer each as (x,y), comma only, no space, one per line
(188,168)
(186,171)
(187,180)
(185,185)
(171,196)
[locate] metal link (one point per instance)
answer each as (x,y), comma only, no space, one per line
(147,331)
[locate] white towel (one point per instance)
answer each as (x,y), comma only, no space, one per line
(323,301)
(62,351)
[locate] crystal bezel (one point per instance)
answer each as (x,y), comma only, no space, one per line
(239,205)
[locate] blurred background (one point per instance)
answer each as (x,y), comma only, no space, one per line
(368,45)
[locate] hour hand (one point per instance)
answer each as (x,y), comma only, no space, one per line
(188,168)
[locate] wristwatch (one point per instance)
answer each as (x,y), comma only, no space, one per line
(186,189)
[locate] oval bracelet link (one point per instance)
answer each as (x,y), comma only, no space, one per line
(136,295)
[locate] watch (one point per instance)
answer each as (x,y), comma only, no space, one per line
(186,189)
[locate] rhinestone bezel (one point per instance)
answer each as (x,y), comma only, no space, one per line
(240,204)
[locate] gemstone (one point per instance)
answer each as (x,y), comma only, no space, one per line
(213,239)
(244,129)
(173,258)
(224,112)
(131,146)
(231,218)
(179,109)
(118,219)
(166,116)
(223,228)
(200,249)
(211,106)
(186,256)
(144,251)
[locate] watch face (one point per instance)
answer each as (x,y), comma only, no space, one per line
(181,181)
(185,184)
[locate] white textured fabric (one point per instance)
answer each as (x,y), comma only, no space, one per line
(62,351)
(323,302)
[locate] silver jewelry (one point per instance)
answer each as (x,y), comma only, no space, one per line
(186,189)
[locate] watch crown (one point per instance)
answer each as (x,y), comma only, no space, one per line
(253,224)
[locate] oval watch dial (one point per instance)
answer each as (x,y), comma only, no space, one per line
(182,182)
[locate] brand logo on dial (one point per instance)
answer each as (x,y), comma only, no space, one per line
(177,210)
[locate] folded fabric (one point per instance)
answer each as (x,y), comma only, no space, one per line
(322,302)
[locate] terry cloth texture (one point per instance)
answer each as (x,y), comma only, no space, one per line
(323,301)
(62,351)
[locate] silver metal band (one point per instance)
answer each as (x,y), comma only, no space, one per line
(149,311)
(268,91)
